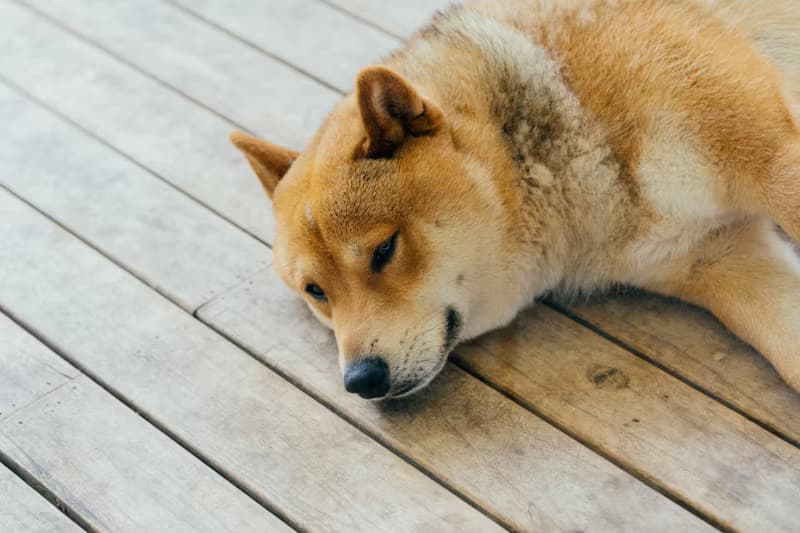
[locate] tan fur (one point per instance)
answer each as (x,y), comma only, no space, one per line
(525,146)
(269,162)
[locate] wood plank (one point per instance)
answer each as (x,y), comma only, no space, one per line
(395,18)
(685,442)
(181,142)
(164,237)
(315,37)
(29,374)
(276,441)
(487,447)
(22,510)
(691,343)
(207,65)
(110,467)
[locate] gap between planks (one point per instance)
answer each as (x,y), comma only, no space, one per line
(31,480)
(650,481)
(50,109)
(252,45)
(664,368)
(377,437)
(362,20)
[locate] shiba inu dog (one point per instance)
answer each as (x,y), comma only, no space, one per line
(518,147)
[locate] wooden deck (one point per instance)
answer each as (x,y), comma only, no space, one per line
(156,376)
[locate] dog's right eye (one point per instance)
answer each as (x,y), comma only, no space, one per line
(316,292)
(383,253)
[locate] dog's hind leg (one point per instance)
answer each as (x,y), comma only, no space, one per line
(747,275)
(775,191)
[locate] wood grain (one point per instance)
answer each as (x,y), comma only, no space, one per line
(396,18)
(685,442)
(284,447)
(27,373)
(312,36)
(167,239)
(691,343)
(511,462)
(181,142)
(22,510)
(209,66)
(113,469)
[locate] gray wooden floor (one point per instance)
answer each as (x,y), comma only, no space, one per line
(156,376)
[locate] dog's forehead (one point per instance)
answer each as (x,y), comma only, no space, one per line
(332,218)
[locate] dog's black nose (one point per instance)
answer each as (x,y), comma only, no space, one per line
(368,377)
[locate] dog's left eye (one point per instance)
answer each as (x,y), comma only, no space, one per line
(383,253)
(316,292)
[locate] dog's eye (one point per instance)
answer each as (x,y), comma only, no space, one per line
(316,292)
(383,253)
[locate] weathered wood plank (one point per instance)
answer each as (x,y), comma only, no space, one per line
(692,446)
(22,510)
(481,443)
(207,65)
(181,142)
(118,473)
(28,374)
(264,433)
(109,466)
(691,343)
(166,238)
(396,18)
(315,37)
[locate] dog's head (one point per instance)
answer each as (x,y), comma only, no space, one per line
(384,228)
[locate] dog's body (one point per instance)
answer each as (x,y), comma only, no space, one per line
(520,147)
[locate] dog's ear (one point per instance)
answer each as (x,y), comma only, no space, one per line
(269,161)
(391,110)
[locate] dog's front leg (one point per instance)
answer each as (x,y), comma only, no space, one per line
(748,275)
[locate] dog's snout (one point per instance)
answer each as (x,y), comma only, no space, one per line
(368,377)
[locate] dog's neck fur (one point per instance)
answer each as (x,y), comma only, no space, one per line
(562,164)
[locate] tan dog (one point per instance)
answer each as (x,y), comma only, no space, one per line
(518,147)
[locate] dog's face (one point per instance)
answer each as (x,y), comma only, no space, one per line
(381,233)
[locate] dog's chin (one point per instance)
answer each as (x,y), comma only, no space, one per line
(407,389)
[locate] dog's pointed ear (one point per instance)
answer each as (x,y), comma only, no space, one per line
(391,110)
(269,161)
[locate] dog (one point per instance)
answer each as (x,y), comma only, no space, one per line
(514,148)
